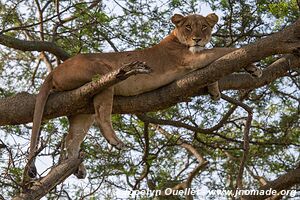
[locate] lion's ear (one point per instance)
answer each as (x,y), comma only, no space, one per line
(212,19)
(176,19)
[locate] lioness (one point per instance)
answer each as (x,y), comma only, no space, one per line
(176,55)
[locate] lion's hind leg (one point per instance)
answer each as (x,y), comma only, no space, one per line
(78,128)
(103,103)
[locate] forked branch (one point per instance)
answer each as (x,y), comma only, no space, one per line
(56,176)
(283,182)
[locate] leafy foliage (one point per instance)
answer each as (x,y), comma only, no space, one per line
(152,160)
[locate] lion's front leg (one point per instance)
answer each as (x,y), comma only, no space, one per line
(252,69)
(103,103)
(78,128)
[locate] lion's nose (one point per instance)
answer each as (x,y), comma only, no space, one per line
(196,39)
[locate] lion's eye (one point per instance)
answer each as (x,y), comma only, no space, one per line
(204,27)
(188,27)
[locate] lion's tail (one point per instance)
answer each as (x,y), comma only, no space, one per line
(41,100)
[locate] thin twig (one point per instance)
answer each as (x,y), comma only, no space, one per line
(38,62)
(202,161)
(145,156)
(239,184)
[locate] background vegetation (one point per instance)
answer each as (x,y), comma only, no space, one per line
(155,158)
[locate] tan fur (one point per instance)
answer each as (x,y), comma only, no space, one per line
(176,55)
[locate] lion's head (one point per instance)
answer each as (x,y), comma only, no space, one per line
(194,30)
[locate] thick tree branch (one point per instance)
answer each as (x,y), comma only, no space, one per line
(277,69)
(19,109)
(283,182)
(59,101)
(57,175)
(25,45)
